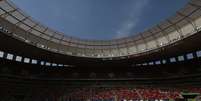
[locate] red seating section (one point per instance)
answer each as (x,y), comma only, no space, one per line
(129,93)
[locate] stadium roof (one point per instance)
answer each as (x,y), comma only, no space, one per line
(184,23)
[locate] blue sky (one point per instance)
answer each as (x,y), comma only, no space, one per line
(100,19)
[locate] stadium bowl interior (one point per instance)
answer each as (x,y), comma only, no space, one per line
(41,64)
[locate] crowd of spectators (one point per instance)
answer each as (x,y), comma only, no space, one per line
(129,94)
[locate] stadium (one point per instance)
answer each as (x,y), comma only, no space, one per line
(38,63)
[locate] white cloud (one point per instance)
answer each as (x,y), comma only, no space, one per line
(133,19)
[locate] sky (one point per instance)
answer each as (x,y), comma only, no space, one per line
(100,19)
